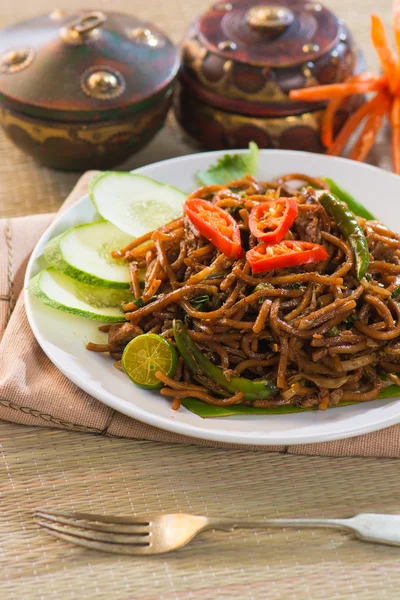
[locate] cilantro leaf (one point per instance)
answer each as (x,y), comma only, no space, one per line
(351,319)
(396,292)
(199,302)
(231,167)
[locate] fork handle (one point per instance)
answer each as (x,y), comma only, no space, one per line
(231,524)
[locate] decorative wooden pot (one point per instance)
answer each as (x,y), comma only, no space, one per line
(86,90)
(241,59)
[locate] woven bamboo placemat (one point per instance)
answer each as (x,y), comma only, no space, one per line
(61,469)
(47,468)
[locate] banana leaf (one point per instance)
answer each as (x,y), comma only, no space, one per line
(207,411)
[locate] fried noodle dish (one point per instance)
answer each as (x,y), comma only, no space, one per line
(273,293)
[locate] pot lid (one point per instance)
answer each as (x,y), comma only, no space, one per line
(84,65)
(282,33)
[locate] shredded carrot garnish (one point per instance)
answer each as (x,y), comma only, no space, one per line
(328,121)
(372,113)
(395,123)
(370,130)
(386,55)
(396,23)
(338,90)
(351,125)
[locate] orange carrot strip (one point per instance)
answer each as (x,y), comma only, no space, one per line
(368,134)
(396,23)
(335,90)
(351,125)
(328,121)
(386,55)
(329,115)
(395,123)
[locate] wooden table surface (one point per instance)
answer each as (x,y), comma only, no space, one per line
(60,469)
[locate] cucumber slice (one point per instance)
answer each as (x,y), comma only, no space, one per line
(84,253)
(64,293)
(134,203)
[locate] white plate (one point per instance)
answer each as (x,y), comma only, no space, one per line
(63,337)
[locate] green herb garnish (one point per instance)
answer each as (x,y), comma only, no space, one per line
(351,319)
(263,286)
(138,302)
(199,302)
(231,167)
(333,332)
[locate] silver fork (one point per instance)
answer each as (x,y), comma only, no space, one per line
(155,534)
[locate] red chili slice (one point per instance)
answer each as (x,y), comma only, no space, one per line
(287,253)
(270,221)
(218,226)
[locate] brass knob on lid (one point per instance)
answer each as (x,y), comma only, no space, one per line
(102,83)
(83,28)
(14,61)
(270,21)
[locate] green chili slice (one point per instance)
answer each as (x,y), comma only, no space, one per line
(350,229)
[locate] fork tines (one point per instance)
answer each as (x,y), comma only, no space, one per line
(121,535)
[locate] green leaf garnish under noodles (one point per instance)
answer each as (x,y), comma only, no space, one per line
(231,167)
(389,392)
(207,411)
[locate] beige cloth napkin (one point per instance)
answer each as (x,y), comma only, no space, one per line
(34,392)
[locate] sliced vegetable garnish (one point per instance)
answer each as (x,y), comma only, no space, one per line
(213,377)
(231,167)
(389,392)
(59,291)
(368,82)
(218,226)
(370,128)
(287,253)
(386,55)
(270,221)
(394,119)
(134,203)
(350,229)
(84,253)
(354,205)
(208,411)
(145,355)
(351,125)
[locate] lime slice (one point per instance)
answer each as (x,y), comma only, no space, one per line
(145,355)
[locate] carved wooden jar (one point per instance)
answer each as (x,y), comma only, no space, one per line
(86,89)
(241,59)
